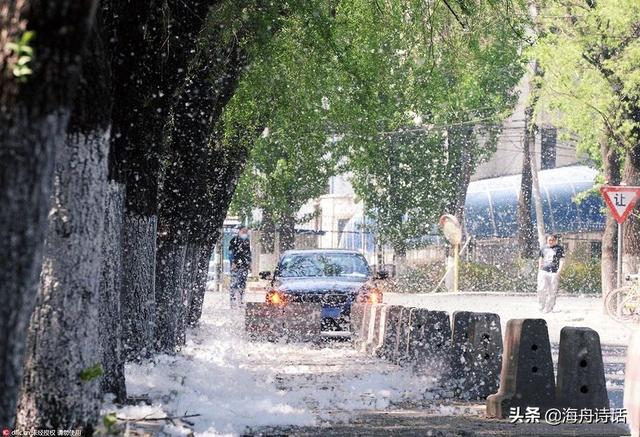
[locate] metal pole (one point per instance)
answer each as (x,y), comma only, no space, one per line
(456,262)
(619,264)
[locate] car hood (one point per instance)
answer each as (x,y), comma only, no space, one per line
(319,285)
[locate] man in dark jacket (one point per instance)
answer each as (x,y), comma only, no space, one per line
(240,260)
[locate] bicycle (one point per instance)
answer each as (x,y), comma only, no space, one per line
(623,303)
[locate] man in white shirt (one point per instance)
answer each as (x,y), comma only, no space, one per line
(550,264)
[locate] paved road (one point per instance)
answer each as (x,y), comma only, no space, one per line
(334,379)
(408,417)
(419,424)
(569,311)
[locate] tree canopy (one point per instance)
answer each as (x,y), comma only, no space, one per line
(589,52)
(395,95)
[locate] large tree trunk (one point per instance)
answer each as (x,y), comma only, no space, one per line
(205,164)
(200,180)
(133,157)
(287,229)
(138,284)
(154,44)
(267,233)
(170,260)
(531,129)
(34,111)
(526,233)
(225,163)
(110,286)
(200,282)
(189,285)
(611,164)
(535,184)
(60,390)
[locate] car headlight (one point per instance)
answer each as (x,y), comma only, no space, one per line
(375,297)
(371,295)
(275,297)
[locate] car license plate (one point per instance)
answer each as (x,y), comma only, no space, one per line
(331,312)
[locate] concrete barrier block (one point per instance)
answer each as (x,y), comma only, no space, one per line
(355,319)
(527,378)
(476,356)
(383,324)
(430,341)
(364,327)
(389,335)
(374,328)
(302,322)
(580,382)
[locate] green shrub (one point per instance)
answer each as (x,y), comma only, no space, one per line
(418,279)
(518,276)
(581,277)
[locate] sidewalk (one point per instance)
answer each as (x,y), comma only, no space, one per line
(418,424)
(570,310)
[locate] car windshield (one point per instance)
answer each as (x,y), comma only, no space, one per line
(323,264)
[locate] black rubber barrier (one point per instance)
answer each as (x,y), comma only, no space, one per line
(400,354)
(459,345)
(430,341)
(476,356)
(527,378)
(417,327)
(390,333)
(581,382)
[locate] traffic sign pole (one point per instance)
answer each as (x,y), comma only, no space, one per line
(619,263)
(456,266)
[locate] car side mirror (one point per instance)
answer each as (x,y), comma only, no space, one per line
(265,275)
(382,274)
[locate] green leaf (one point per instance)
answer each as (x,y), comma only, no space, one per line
(110,420)
(91,373)
(27,37)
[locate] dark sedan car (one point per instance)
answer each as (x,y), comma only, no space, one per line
(334,278)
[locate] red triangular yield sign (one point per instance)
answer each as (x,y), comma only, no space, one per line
(620,200)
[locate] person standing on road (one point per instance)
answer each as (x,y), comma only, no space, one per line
(240,261)
(550,265)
